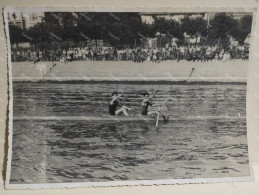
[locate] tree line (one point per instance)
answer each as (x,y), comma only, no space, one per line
(66,29)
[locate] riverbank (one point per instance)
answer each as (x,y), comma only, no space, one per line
(231,71)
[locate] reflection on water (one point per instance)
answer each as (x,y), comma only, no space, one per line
(80,151)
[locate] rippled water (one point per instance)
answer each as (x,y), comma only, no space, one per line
(80,151)
(68,99)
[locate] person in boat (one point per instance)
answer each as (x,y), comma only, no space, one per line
(146,103)
(114,104)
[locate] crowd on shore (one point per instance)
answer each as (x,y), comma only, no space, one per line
(139,55)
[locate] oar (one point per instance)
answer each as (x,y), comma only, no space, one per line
(157,119)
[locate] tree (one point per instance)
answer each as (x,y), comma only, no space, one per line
(169,28)
(92,26)
(126,30)
(16,35)
(246,22)
(43,35)
(243,29)
(193,26)
(63,25)
(221,27)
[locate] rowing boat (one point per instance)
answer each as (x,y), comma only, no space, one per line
(89,118)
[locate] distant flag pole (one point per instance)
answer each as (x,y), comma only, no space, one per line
(191,72)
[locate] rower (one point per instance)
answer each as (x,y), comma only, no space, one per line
(146,102)
(114,103)
(144,107)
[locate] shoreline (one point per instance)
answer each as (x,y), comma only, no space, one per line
(128,71)
(132,80)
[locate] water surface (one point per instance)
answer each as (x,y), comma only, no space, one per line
(82,151)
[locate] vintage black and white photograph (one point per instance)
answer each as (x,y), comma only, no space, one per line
(106,98)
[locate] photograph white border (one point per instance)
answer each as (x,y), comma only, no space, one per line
(119,9)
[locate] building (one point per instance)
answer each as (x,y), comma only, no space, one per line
(160,40)
(149,42)
(147,17)
(25,20)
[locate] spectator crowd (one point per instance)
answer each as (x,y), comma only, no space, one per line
(138,55)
